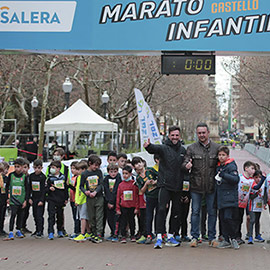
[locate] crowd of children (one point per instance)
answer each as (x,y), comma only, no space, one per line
(116,196)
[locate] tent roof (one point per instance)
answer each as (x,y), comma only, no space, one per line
(79,117)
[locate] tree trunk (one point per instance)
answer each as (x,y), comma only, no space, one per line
(44,108)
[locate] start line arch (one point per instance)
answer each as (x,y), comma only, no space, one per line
(139,27)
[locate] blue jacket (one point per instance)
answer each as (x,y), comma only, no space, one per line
(227,191)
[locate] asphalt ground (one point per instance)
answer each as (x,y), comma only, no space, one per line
(30,253)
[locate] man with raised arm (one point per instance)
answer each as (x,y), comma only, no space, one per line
(170,182)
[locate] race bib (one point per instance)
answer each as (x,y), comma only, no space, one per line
(92,182)
(185,186)
(128,195)
(72,182)
(36,186)
(245,188)
(259,205)
(59,184)
(111,184)
(16,190)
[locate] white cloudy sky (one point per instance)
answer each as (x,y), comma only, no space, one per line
(223,80)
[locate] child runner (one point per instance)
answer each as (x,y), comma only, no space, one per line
(37,181)
(244,187)
(18,191)
(184,210)
(72,190)
(3,199)
(91,186)
(80,202)
(127,204)
(227,179)
(255,207)
(59,155)
(57,198)
(26,210)
(111,183)
(147,183)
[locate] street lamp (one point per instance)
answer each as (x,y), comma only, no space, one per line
(34,104)
(105,99)
(67,88)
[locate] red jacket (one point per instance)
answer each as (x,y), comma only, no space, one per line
(127,195)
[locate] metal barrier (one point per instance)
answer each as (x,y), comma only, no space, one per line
(260,152)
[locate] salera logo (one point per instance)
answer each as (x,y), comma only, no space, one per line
(37,16)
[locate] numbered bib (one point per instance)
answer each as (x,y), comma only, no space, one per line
(16,190)
(245,188)
(59,184)
(72,182)
(185,186)
(128,195)
(92,182)
(35,186)
(111,184)
(259,205)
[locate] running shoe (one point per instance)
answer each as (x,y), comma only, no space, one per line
(158,244)
(250,240)
(141,240)
(258,238)
(171,242)
(60,234)
(235,245)
(224,244)
(115,239)
(10,236)
(51,236)
(80,238)
(96,239)
(194,242)
(123,240)
(19,234)
(38,235)
(148,240)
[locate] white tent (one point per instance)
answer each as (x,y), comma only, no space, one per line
(79,117)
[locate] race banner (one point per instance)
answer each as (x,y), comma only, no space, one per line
(138,25)
(148,126)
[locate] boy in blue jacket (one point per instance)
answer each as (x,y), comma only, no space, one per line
(227,179)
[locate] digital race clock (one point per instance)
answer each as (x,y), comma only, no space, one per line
(184,64)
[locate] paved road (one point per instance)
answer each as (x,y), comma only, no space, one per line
(61,254)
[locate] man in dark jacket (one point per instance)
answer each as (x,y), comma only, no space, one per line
(170,182)
(201,161)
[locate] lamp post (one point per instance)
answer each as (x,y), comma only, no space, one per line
(105,99)
(67,88)
(34,104)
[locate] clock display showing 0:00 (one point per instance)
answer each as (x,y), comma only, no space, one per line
(199,64)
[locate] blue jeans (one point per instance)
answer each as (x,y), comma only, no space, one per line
(195,215)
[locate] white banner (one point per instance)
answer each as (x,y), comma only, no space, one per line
(148,126)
